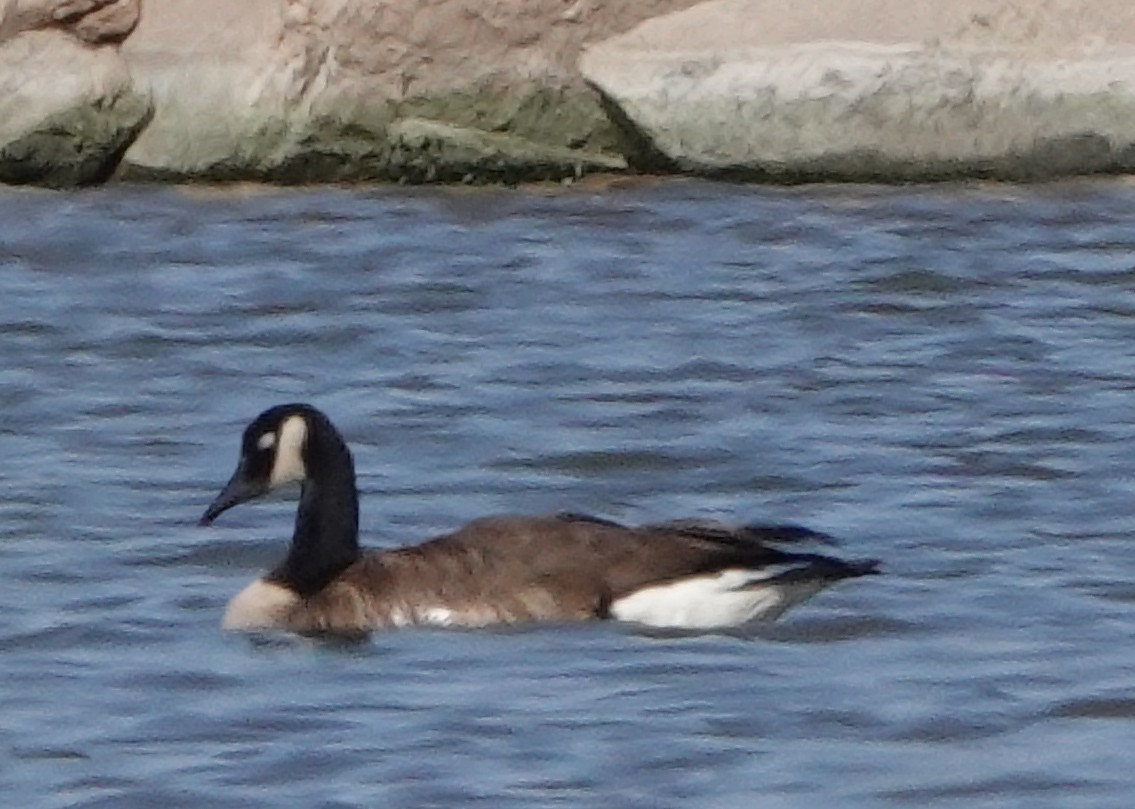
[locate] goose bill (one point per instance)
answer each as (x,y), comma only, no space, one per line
(239,489)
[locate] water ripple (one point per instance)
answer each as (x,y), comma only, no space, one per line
(939,376)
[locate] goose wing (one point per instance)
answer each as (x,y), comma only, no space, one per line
(585,562)
(506,569)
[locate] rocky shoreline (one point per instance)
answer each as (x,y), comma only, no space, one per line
(490,91)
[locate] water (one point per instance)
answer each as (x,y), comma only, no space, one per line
(943,377)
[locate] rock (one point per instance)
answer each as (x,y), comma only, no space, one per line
(877,89)
(67,111)
(93,21)
(104,21)
(357,90)
(492,90)
(426,151)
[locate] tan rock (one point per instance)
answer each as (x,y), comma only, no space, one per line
(308,89)
(67,111)
(879,89)
(106,21)
(94,21)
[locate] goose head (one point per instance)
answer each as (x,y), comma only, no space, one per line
(274,452)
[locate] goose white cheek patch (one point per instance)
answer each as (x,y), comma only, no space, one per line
(288,466)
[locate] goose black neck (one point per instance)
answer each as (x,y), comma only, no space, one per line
(326,537)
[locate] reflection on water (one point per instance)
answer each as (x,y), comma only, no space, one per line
(940,376)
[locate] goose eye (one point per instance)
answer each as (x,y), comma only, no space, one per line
(266,441)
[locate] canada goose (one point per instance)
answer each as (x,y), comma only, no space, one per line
(689,574)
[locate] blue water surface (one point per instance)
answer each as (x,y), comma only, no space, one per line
(942,376)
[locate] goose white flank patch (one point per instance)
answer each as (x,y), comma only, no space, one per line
(682,574)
